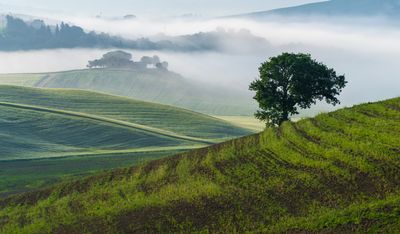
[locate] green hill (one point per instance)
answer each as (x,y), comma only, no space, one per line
(23,79)
(164,117)
(50,127)
(336,173)
(149,85)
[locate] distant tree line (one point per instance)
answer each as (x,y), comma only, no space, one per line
(17,34)
(20,35)
(122,59)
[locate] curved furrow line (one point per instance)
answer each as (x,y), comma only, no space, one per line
(109,121)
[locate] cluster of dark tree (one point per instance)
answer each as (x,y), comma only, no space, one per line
(21,35)
(122,59)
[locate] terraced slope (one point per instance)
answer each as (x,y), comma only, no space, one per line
(149,85)
(336,173)
(45,129)
(30,133)
(162,117)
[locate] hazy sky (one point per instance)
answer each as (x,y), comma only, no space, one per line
(148,7)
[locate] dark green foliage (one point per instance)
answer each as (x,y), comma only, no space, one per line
(291,81)
(121,59)
(114,59)
(336,173)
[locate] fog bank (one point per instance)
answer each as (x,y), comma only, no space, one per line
(368,56)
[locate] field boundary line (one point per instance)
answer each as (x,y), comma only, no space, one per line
(120,123)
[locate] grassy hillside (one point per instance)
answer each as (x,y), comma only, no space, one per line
(163,117)
(39,125)
(29,134)
(248,122)
(20,79)
(17,176)
(149,85)
(336,173)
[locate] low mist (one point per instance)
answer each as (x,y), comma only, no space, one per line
(367,55)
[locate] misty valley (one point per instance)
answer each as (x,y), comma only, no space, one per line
(223,117)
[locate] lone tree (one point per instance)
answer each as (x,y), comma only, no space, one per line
(291,81)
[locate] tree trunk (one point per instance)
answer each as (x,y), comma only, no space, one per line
(285,112)
(284,117)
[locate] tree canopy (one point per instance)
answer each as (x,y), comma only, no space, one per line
(122,59)
(292,81)
(113,59)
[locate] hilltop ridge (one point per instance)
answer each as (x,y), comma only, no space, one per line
(389,9)
(151,85)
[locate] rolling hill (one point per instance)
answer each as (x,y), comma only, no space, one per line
(338,8)
(149,85)
(336,173)
(53,126)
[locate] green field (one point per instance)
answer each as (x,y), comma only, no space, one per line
(148,85)
(336,173)
(20,79)
(249,122)
(163,117)
(40,125)
(18,176)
